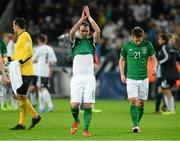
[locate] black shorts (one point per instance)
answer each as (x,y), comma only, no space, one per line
(25,86)
(34,81)
(166,83)
(42,82)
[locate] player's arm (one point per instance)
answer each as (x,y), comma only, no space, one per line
(163,58)
(76,26)
(50,71)
(53,58)
(96,34)
(153,58)
(122,62)
(154,64)
(35,56)
(2,65)
(4,77)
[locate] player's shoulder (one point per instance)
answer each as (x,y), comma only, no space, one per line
(49,48)
(127,44)
(24,35)
(2,42)
(147,43)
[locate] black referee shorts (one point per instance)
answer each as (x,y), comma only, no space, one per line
(25,86)
(34,81)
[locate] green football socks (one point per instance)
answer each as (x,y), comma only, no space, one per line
(141,112)
(134,110)
(75,114)
(87,117)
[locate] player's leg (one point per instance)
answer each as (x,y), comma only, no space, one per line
(2,98)
(23,112)
(32,92)
(76,98)
(132,91)
(169,100)
(41,100)
(87,118)
(8,98)
(13,101)
(168,97)
(3,103)
(25,106)
(46,94)
(35,116)
(40,95)
(142,96)
(159,96)
(89,99)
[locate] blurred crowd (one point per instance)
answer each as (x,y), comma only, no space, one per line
(116,18)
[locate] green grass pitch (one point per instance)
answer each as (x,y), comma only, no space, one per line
(113,123)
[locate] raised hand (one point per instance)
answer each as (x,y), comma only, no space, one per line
(83,16)
(86,10)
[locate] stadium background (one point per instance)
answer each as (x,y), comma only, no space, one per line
(115,18)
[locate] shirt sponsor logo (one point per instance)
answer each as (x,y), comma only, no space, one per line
(144,50)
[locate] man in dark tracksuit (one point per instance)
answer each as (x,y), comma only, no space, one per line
(167,58)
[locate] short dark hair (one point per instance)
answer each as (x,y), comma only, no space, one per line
(137,32)
(21,22)
(86,24)
(164,37)
(42,38)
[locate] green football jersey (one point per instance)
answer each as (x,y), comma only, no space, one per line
(3,49)
(83,46)
(137,57)
(3,52)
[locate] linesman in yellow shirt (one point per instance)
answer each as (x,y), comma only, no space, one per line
(23,53)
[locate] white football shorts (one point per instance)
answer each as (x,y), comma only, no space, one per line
(138,88)
(83,88)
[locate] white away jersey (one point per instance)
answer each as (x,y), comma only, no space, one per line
(44,56)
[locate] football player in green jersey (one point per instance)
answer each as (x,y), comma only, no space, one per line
(136,53)
(83,81)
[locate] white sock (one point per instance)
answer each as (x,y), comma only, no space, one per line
(41,101)
(14,103)
(171,103)
(167,102)
(47,98)
(3,101)
(33,98)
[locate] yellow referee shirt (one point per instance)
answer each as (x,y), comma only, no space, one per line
(23,51)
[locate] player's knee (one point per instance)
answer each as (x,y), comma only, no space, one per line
(32,89)
(133,100)
(141,103)
(75,105)
(87,105)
